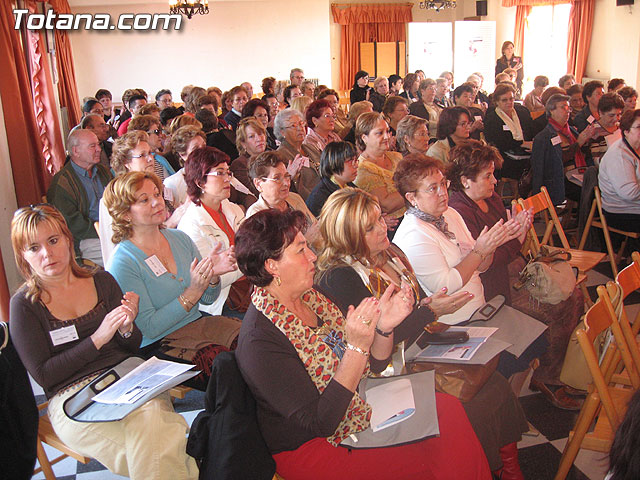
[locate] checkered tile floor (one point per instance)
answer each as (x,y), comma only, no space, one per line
(539,455)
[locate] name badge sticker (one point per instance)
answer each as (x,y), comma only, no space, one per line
(556,140)
(505,128)
(63,335)
(590,119)
(155,265)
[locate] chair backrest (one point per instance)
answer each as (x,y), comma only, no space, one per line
(598,318)
(629,281)
(629,277)
(541,203)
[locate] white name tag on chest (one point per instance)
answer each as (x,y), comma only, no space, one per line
(505,128)
(556,140)
(590,119)
(155,265)
(64,335)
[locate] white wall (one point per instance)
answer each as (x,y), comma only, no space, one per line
(615,43)
(237,41)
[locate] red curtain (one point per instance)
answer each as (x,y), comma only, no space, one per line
(367,23)
(67,87)
(23,135)
(522,12)
(44,103)
(580,28)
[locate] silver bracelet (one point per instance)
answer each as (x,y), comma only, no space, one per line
(357,349)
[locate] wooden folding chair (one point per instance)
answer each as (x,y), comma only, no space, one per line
(581,259)
(605,403)
(601,222)
(629,281)
(47,435)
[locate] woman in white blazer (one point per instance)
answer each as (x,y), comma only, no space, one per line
(211,220)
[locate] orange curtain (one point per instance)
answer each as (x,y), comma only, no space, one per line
(25,146)
(67,86)
(44,103)
(522,12)
(367,23)
(580,28)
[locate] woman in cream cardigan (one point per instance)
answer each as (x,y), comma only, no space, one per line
(211,220)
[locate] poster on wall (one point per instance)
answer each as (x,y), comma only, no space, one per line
(475,47)
(430,47)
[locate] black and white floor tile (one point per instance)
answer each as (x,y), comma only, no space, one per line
(539,455)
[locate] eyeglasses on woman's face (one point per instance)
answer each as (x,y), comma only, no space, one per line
(279,180)
(220,173)
(437,188)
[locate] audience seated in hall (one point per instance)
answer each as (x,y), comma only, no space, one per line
(412,160)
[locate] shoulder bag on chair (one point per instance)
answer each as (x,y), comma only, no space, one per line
(548,277)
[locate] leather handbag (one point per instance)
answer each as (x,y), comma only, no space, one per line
(239,297)
(461,381)
(548,277)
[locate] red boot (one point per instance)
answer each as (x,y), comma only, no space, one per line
(510,466)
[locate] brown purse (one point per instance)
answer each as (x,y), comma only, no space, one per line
(461,381)
(239,297)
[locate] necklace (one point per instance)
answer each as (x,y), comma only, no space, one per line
(382,280)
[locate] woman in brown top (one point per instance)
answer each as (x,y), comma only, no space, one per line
(69,325)
(303,360)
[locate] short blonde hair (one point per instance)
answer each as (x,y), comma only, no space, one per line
(182,121)
(121,154)
(191,100)
(301,103)
(119,195)
(24,228)
(365,123)
(358,108)
(143,122)
(181,138)
(407,127)
(241,132)
(378,81)
(148,109)
(343,222)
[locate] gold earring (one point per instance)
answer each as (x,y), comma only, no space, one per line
(278,281)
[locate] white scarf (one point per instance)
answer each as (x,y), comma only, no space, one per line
(512,122)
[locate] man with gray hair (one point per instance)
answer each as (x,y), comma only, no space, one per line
(76,191)
(296,76)
(97,125)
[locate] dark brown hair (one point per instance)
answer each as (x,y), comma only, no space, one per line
(264,236)
(200,163)
(468,159)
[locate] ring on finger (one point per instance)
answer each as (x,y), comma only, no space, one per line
(367,322)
